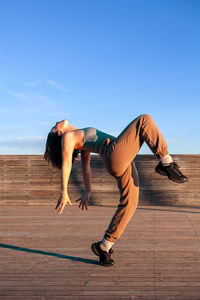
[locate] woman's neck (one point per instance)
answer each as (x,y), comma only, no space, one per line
(70,127)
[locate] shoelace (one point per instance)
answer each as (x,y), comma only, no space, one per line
(106,256)
(176,167)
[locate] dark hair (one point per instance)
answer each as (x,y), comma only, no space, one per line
(53,151)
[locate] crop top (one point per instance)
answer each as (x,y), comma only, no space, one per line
(93,139)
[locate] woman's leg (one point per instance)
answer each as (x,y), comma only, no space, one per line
(128,184)
(117,158)
(119,163)
(123,151)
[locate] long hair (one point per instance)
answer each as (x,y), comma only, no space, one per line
(53,151)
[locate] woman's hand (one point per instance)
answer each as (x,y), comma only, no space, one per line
(84,200)
(62,201)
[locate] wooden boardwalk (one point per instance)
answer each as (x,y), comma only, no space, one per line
(45,256)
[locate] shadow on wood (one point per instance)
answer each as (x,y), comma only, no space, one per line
(74,258)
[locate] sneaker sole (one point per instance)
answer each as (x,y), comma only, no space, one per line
(162,173)
(107,265)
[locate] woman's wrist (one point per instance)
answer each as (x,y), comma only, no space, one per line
(63,192)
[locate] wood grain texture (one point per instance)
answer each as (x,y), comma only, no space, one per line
(29,180)
(45,256)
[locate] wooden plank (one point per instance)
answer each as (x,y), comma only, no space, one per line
(28,179)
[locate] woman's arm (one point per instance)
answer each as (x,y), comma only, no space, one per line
(67,151)
(85,159)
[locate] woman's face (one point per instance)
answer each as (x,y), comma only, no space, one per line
(60,127)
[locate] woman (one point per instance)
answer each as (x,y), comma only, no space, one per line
(65,141)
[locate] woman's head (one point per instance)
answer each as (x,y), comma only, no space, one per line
(53,151)
(61,127)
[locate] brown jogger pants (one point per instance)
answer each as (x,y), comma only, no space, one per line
(118,159)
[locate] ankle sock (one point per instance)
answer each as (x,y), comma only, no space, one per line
(105,245)
(166,160)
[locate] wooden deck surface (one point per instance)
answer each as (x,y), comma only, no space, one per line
(45,256)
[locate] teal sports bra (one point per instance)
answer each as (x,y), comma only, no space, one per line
(93,139)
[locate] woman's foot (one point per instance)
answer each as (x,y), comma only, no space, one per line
(104,256)
(172,172)
(97,246)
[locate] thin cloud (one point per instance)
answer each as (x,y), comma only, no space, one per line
(62,113)
(44,99)
(31,84)
(34,138)
(35,144)
(18,95)
(173,141)
(34,83)
(45,124)
(50,82)
(57,85)
(182,132)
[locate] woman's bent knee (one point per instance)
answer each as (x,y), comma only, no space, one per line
(146,117)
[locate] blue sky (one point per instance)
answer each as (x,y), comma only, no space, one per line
(99,63)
